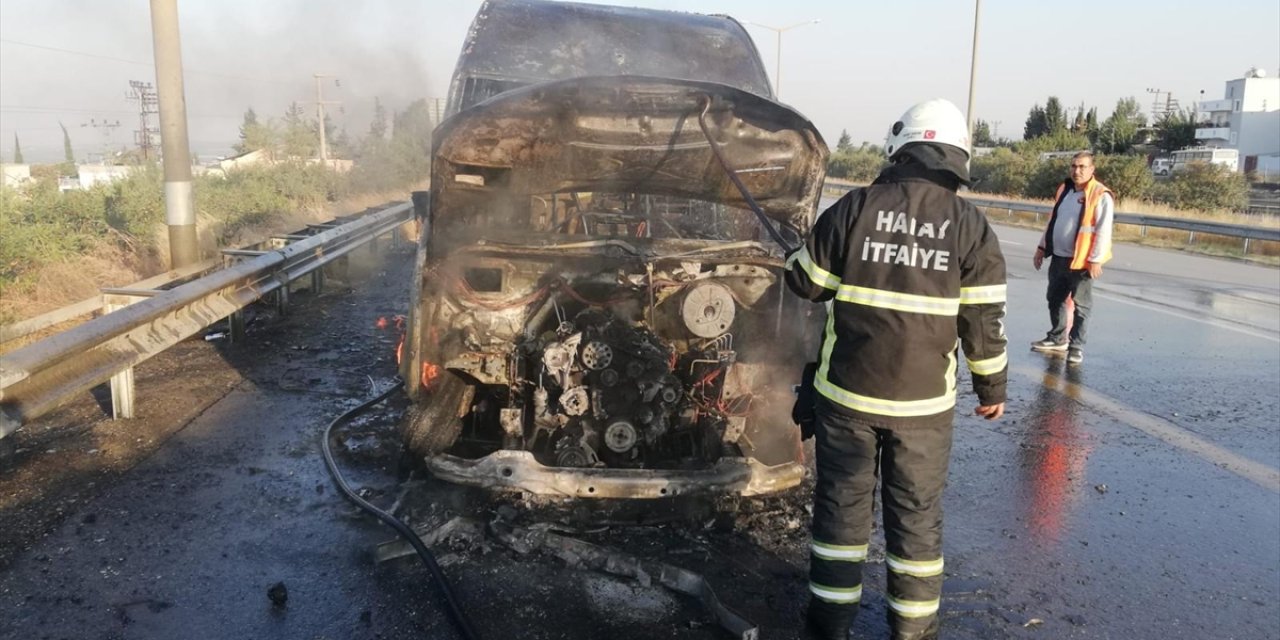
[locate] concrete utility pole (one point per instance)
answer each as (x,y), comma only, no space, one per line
(179,198)
(320,103)
(973,67)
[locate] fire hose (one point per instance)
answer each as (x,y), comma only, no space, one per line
(455,611)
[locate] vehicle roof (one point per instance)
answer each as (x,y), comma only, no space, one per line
(534,41)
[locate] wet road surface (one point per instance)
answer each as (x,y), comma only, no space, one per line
(1136,496)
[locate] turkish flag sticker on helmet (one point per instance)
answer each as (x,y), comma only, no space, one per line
(930,134)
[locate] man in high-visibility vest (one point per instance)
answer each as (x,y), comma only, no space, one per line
(912,272)
(1078,242)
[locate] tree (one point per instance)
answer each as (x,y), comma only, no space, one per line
(341,147)
(1055,120)
(378,128)
(69,156)
(331,136)
(845,143)
(17,150)
(299,137)
(1058,141)
(1079,125)
(255,135)
(1176,130)
(1123,128)
(982,134)
(1037,123)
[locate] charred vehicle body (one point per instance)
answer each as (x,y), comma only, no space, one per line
(597,311)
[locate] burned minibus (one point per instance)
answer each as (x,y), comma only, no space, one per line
(597,305)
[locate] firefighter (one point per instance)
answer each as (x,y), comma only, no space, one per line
(913,272)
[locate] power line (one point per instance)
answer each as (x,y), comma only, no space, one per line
(145,64)
(78,53)
(43,109)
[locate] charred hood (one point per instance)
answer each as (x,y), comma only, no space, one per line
(633,134)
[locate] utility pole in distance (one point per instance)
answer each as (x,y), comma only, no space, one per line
(179,198)
(973,68)
(148,104)
(320,103)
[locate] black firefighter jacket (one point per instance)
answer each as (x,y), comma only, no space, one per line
(910,269)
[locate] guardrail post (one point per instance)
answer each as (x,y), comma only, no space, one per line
(1191,237)
(282,294)
(1246,246)
(235,327)
(122,388)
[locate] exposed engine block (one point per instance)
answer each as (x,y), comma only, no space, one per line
(605,392)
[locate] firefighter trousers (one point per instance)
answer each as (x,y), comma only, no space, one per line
(911,465)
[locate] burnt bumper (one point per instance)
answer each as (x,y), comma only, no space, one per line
(519,471)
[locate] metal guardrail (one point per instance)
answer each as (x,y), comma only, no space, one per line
(140,324)
(24,328)
(1192,227)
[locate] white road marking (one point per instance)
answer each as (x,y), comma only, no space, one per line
(1187,316)
(1011,242)
(1260,474)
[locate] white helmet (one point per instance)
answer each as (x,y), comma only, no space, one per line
(934,120)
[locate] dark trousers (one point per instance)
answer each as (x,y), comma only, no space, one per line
(911,465)
(1063,282)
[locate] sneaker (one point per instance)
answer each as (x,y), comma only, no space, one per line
(1048,345)
(1075,356)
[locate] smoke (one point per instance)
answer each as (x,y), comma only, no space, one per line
(236,55)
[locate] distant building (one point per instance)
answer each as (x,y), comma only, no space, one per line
(12,175)
(247,159)
(263,157)
(91,174)
(1247,119)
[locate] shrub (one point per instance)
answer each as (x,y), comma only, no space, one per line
(1062,140)
(135,204)
(1206,187)
(858,165)
(1045,177)
(1127,175)
(1002,171)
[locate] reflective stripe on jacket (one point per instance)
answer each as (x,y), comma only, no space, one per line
(913,271)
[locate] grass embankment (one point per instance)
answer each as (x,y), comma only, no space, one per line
(57,248)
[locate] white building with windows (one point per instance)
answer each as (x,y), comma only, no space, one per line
(1247,118)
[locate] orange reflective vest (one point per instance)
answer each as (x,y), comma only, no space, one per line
(1085,234)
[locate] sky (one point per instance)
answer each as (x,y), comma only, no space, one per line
(856,69)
